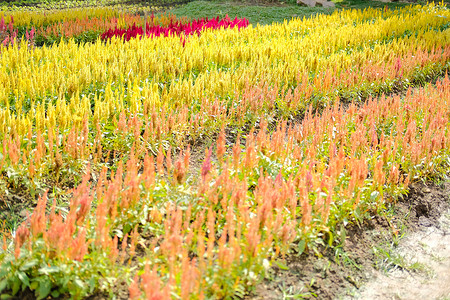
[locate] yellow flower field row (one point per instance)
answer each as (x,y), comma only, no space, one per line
(152,93)
(163,72)
(36,19)
(46,13)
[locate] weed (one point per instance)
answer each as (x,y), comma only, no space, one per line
(343,258)
(389,259)
(291,292)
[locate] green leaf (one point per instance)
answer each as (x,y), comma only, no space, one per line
(301,247)
(15,286)
(56,294)
(79,283)
(3,284)
(44,289)
(6,296)
(29,265)
(374,195)
(345,221)
(331,238)
(92,284)
(5,270)
(126,228)
(281,265)
(343,234)
(24,278)
(357,213)
(48,270)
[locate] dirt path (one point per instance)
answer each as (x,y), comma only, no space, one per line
(423,258)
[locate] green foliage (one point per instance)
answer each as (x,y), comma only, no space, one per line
(263,14)
(35,271)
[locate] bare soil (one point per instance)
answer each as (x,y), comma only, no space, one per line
(425,273)
(402,255)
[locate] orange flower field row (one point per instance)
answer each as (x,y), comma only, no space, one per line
(252,203)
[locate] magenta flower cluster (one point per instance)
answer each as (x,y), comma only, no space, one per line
(175,28)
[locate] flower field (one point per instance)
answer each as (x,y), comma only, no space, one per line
(41,6)
(176,28)
(80,25)
(98,136)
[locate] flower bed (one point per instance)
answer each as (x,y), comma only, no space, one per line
(175,28)
(91,127)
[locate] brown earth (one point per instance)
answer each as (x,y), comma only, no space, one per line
(423,255)
(404,255)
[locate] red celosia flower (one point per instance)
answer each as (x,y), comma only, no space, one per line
(175,28)
(206,167)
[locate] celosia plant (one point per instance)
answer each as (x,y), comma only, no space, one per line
(9,35)
(176,28)
(215,238)
(105,99)
(89,29)
(94,124)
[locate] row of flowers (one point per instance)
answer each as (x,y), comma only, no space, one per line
(342,59)
(147,223)
(194,90)
(44,18)
(120,108)
(176,28)
(81,30)
(9,35)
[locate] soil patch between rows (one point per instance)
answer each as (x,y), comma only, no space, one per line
(404,254)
